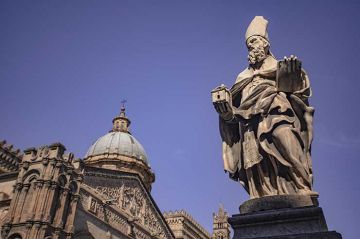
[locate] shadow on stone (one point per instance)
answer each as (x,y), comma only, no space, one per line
(282,216)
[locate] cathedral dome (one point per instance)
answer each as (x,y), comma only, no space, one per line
(117,142)
(119,150)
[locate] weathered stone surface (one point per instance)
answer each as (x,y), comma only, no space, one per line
(284,216)
(316,235)
(45,195)
(184,225)
(121,197)
(277,202)
(266,121)
(221,227)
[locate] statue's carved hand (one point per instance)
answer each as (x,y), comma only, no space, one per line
(224,109)
(289,69)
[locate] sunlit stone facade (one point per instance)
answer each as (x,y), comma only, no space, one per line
(48,193)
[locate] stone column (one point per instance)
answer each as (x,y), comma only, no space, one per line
(14,203)
(35,231)
(42,231)
(49,202)
(21,202)
(69,227)
(56,234)
(59,214)
(29,227)
(37,189)
(42,202)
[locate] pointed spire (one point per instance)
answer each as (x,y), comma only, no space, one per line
(220,224)
(121,123)
(221,209)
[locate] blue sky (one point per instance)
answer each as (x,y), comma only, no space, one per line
(66,65)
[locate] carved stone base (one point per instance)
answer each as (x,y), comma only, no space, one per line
(281,217)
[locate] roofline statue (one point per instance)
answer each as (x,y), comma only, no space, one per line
(266,121)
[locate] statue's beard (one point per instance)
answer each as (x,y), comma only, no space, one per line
(257,55)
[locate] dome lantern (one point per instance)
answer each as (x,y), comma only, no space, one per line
(121,123)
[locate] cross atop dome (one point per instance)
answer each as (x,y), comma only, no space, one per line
(121,123)
(122,109)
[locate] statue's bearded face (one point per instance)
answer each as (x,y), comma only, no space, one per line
(258,49)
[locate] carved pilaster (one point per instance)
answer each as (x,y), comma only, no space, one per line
(29,227)
(42,203)
(36,194)
(20,206)
(35,231)
(60,212)
(14,202)
(69,227)
(50,199)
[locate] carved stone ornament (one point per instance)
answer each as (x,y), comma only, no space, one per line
(92,205)
(131,199)
(266,121)
(43,152)
(129,196)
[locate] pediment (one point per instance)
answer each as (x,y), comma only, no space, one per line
(127,193)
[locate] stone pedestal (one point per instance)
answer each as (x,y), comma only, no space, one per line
(280,217)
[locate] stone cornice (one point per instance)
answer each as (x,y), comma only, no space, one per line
(10,175)
(112,157)
(10,158)
(180,215)
(122,166)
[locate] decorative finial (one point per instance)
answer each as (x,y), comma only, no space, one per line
(123,104)
(121,123)
(221,209)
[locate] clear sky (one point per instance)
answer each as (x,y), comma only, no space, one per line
(66,65)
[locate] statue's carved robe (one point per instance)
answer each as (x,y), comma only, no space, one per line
(267,145)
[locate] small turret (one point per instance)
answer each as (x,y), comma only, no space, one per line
(121,123)
(221,227)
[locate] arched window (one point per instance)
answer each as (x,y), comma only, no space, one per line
(15,236)
(29,181)
(29,176)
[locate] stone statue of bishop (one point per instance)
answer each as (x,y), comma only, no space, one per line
(266,121)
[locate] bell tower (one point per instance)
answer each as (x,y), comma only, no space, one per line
(221,227)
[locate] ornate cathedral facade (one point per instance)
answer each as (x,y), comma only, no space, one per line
(48,193)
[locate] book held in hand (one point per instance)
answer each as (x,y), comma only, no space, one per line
(288,81)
